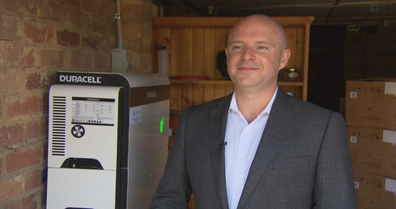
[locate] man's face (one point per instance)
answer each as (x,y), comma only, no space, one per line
(255,54)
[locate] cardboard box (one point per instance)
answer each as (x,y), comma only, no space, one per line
(373,150)
(371,103)
(375,140)
(373,163)
(374,191)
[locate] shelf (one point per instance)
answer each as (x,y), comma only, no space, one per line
(207,82)
(202,39)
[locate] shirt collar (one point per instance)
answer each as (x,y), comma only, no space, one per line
(267,109)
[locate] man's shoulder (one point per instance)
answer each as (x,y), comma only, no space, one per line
(307,108)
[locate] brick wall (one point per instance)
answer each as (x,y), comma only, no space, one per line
(38,38)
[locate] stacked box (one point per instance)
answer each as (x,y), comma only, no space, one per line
(370,114)
(374,191)
(371,103)
(373,150)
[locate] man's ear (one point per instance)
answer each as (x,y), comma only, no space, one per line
(284,58)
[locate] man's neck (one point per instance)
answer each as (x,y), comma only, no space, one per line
(251,104)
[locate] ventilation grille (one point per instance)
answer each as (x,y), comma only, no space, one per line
(58,125)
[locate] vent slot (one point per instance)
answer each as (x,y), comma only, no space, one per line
(58,125)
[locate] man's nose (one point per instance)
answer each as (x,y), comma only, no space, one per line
(248,54)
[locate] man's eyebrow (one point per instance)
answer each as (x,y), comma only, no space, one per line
(257,42)
(265,42)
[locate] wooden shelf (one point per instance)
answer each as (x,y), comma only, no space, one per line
(194,44)
(181,81)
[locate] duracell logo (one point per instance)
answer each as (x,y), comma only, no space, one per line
(151,94)
(79,79)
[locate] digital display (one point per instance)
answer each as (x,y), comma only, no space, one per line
(95,111)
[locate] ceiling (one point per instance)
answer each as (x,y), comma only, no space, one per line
(324,11)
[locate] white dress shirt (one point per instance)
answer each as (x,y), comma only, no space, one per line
(242,141)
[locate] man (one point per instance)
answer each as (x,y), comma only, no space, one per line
(258,147)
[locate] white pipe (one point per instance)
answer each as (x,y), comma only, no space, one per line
(119,25)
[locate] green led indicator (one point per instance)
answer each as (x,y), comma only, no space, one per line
(162,124)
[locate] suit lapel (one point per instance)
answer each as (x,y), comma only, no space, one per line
(217,129)
(279,121)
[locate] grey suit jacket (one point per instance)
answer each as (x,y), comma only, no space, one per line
(302,160)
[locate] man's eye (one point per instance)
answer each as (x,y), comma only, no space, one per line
(236,47)
(262,47)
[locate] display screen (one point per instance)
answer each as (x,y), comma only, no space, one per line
(95,111)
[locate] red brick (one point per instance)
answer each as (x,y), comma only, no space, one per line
(107,9)
(147,15)
(1,166)
(28,58)
(91,42)
(108,44)
(135,62)
(79,18)
(92,6)
(1,111)
(43,196)
(38,33)
(45,83)
(147,32)
(102,61)
(23,157)
(24,106)
(135,2)
(14,205)
(53,11)
(1,53)
(52,58)
(100,25)
(32,180)
(45,150)
(44,100)
(112,29)
(12,54)
(10,82)
(36,81)
(146,63)
(81,59)
(36,130)
(131,13)
(73,3)
(68,38)
(131,31)
(9,28)
(135,46)
(11,135)
(146,46)
(22,7)
(33,81)
(19,55)
(10,189)
(30,202)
